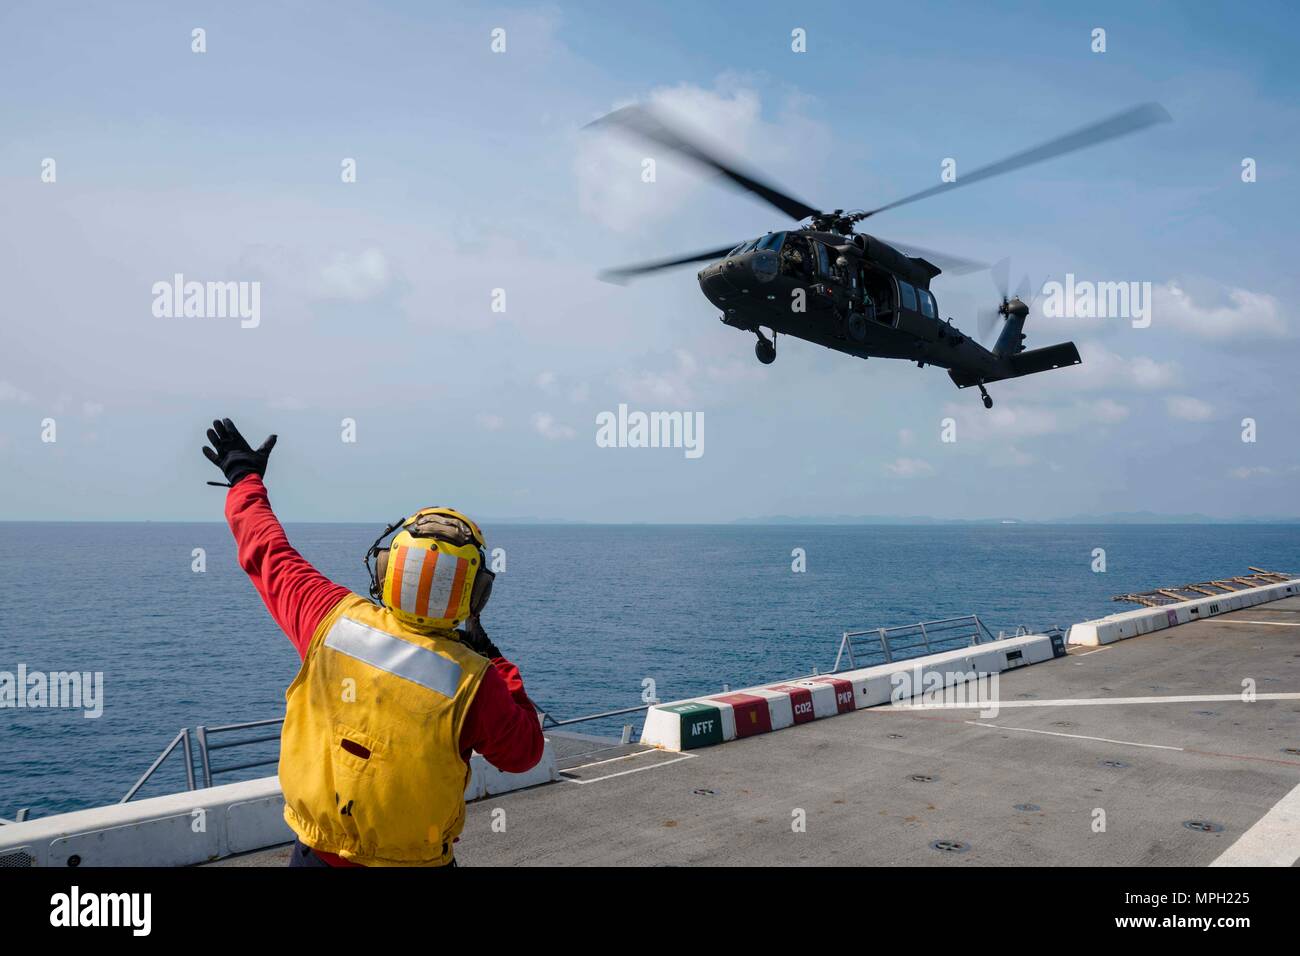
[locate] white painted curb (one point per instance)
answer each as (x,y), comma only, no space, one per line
(197,826)
(1118,627)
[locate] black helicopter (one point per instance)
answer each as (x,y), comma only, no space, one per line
(855,293)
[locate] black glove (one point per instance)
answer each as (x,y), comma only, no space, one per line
(476,639)
(233,455)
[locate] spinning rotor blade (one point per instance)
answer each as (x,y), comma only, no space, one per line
(645,124)
(1129,121)
(988,321)
(1001,274)
(951,265)
(624,273)
(1022,290)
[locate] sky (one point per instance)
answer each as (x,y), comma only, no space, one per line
(473,175)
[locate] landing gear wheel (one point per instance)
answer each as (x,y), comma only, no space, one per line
(765,351)
(988,402)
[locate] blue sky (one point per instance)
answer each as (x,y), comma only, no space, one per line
(473,175)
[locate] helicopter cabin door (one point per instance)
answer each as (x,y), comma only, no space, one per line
(916,311)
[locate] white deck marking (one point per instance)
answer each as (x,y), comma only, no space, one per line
(623,773)
(1087,702)
(1098,650)
(635,753)
(1274,840)
(1268,623)
(1056,733)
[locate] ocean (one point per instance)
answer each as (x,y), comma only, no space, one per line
(588,612)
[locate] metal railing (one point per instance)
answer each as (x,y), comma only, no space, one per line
(183,739)
(884,645)
(206,747)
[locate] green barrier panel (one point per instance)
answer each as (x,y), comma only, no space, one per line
(701,725)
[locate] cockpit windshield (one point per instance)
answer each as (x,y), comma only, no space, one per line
(772,241)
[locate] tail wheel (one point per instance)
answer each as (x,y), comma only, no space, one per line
(766,351)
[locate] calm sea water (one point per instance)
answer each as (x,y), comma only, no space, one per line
(587,612)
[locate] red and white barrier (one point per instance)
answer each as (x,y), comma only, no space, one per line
(701,721)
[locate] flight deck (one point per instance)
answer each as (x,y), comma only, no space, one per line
(1143,752)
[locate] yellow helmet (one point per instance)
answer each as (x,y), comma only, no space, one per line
(434,573)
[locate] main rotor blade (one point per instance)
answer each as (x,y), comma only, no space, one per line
(1129,121)
(624,273)
(638,120)
(950,264)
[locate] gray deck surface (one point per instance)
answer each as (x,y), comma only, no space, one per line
(1221,761)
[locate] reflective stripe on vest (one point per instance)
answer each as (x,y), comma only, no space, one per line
(394,655)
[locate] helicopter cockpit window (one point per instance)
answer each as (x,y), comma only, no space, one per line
(735,250)
(927,303)
(772,241)
(749,246)
(906,295)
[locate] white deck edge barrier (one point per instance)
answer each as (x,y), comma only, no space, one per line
(717,718)
(197,826)
(1118,627)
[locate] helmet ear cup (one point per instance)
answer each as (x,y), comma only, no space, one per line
(381,570)
(480,590)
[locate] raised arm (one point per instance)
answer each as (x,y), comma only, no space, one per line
(297,595)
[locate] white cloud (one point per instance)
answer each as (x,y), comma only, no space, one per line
(9,392)
(1104,369)
(1105,410)
(1003,421)
(909,467)
(667,389)
(726,120)
(546,426)
(1245,314)
(355,277)
(1251,472)
(1188,408)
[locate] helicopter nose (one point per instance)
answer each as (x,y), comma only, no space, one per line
(716,284)
(737,276)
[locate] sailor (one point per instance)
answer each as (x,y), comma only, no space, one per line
(391,698)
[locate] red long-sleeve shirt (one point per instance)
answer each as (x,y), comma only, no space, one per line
(501,723)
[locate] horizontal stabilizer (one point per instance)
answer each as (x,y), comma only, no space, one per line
(1045,359)
(1023,363)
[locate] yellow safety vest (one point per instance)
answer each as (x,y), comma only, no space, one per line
(370,760)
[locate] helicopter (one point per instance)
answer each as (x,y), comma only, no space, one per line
(826,283)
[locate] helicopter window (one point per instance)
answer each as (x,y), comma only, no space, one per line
(927,303)
(772,241)
(823,260)
(735,250)
(906,296)
(749,246)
